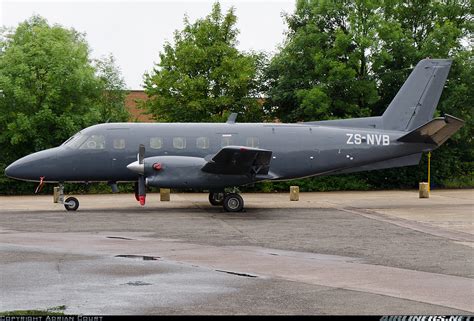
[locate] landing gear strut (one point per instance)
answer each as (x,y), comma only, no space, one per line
(232,202)
(216,199)
(71,203)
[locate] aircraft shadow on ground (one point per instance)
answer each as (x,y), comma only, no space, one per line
(254,213)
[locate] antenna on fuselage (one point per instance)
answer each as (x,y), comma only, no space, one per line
(231,119)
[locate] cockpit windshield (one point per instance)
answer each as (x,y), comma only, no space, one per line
(76,140)
(94,142)
(81,141)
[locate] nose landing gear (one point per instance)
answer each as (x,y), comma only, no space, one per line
(71,203)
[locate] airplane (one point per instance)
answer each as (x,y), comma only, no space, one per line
(219,157)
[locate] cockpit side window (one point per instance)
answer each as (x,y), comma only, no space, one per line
(119,143)
(94,142)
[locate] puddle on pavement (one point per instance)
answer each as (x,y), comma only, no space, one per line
(238,274)
(119,238)
(143,257)
(137,283)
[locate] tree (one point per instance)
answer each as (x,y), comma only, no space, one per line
(322,70)
(49,88)
(410,32)
(112,102)
(349,58)
(436,29)
(203,76)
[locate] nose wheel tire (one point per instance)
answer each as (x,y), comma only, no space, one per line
(233,202)
(71,204)
(216,199)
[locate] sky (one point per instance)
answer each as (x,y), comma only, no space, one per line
(134,32)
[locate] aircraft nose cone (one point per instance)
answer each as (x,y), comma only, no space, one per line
(10,170)
(33,166)
(15,169)
(136,167)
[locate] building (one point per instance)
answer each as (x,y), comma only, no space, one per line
(137,114)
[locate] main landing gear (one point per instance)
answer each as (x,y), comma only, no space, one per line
(71,203)
(216,199)
(232,202)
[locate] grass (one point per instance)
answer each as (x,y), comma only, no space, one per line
(463,182)
(59,310)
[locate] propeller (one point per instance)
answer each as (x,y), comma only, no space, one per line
(139,168)
(141,153)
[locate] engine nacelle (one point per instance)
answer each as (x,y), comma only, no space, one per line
(176,172)
(185,172)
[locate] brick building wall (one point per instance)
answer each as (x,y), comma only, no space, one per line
(137,114)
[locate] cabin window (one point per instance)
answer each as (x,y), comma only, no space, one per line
(252,142)
(156,142)
(119,143)
(179,142)
(202,142)
(94,142)
(226,140)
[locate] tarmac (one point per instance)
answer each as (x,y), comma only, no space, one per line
(383,252)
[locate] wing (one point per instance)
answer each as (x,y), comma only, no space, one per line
(239,160)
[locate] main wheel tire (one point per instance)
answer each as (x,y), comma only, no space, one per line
(216,199)
(71,204)
(233,203)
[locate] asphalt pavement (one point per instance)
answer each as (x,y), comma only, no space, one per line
(384,252)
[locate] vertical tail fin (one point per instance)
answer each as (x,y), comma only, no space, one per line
(416,101)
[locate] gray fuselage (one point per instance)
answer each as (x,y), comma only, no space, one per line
(298,150)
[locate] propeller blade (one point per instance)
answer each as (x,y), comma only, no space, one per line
(141,190)
(139,168)
(141,153)
(135,189)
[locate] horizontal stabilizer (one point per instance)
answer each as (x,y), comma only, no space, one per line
(239,160)
(435,132)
